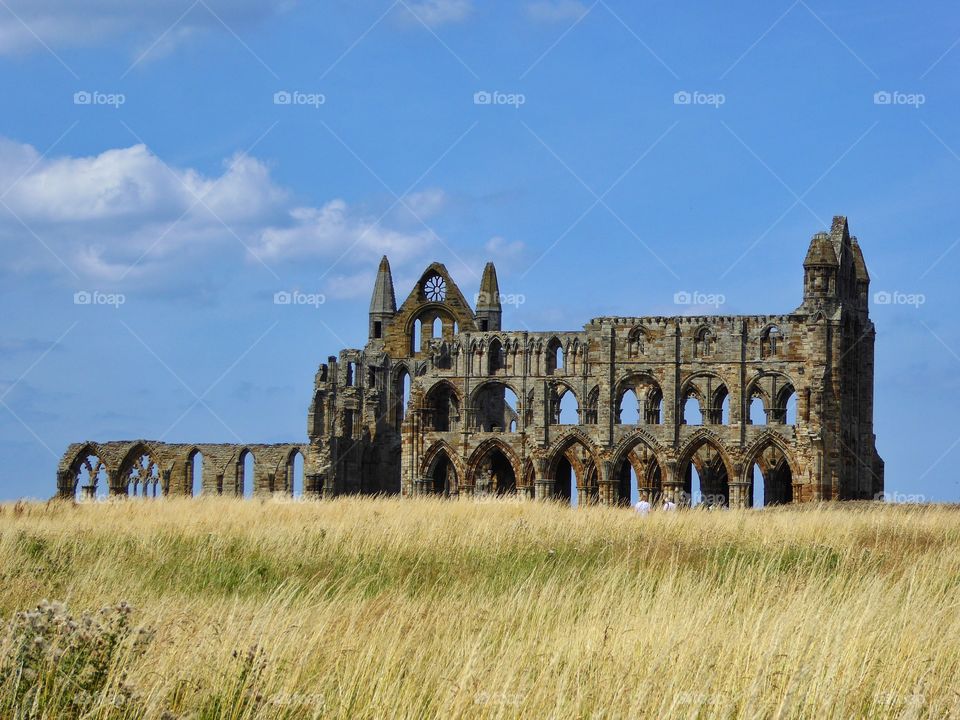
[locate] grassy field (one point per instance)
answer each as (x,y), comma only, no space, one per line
(384,608)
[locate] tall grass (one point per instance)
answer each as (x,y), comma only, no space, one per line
(386,608)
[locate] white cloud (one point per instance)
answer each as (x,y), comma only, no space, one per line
(556,10)
(124,212)
(440,12)
(332,231)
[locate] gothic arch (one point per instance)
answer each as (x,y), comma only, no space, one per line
(767,439)
(478,455)
(439,452)
(132,462)
(696,441)
(564,443)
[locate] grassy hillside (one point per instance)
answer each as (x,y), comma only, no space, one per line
(386,608)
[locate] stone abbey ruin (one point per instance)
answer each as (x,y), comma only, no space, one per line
(443,401)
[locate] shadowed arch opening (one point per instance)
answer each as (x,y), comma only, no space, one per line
(573,473)
(493,471)
(441,475)
(442,407)
(704,475)
(140,474)
(495,408)
(637,474)
(770,477)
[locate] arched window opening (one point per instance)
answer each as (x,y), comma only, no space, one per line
(786,407)
(442,408)
(195,473)
(704,343)
(719,405)
(653,406)
(635,343)
(566,407)
(91,479)
(143,478)
(791,414)
(350,369)
(692,413)
(246,471)
(495,408)
(436,329)
(416,341)
(456,328)
(770,342)
(554,356)
(725,410)
(401,396)
(295,474)
(628,412)
(496,357)
(758,414)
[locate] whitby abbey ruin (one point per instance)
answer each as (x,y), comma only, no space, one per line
(442,400)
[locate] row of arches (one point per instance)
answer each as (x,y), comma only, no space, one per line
(572,475)
(140,474)
(495,404)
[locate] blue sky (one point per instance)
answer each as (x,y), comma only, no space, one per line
(143,157)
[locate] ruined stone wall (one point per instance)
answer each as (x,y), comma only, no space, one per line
(441,400)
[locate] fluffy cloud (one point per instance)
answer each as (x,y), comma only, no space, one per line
(331,230)
(125,212)
(68,23)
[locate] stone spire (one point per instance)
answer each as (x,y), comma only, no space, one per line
(383,303)
(489,311)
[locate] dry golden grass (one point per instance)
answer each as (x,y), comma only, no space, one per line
(386,608)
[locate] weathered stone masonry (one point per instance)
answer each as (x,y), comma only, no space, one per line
(442,400)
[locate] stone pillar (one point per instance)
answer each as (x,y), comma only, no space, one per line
(421,487)
(543,489)
(739,495)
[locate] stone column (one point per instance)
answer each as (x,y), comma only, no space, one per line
(739,495)
(543,489)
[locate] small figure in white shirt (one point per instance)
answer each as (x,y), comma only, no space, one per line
(669,505)
(643,506)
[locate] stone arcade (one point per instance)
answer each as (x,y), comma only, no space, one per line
(443,401)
